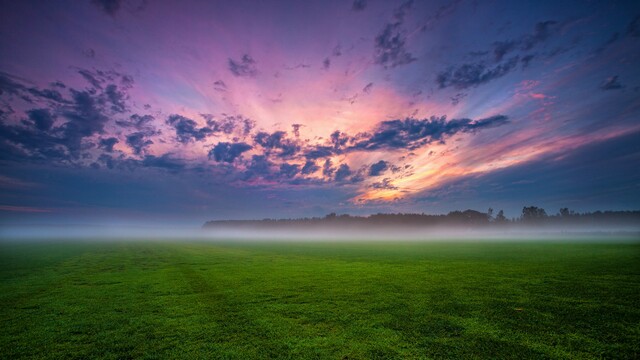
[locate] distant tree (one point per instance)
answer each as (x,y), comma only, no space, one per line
(565,212)
(490,214)
(533,213)
(500,218)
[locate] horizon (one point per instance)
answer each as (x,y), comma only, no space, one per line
(111,115)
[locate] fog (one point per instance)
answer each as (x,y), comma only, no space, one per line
(119,232)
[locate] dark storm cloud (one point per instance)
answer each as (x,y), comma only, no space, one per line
(378,168)
(187,130)
(246,66)
(138,142)
(228,152)
(611,83)
(474,74)
(413,133)
(108,143)
(390,49)
(110,7)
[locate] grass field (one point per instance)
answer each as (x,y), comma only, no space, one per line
(119,300)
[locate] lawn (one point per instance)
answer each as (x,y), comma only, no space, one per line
(383,300)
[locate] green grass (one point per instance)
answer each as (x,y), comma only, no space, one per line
(119,300)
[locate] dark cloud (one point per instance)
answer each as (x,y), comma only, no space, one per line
(246,66)
(319,152)
(42,118)
(296,129)
(187,130)
(367,89)
(108,143)
(414,133)
(85,119)
(455,100)
(117,98)
(229,124)
(326,63)
(389,47)
(385,184)
(277,140)
(259,167)
(328,169)
(110,7)
(139,122)
(542,31)
(138,142)
(343,172)
(309,168)
(633,29)
(611,83)
(219,85)
(289,170)
(359,5)
(378,168)
(165,161)
(474,74)
(228,152)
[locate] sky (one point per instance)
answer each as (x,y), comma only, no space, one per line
(187,111)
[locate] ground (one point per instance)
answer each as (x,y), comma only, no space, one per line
(383,300)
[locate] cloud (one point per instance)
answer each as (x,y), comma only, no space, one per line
(277,140)
(138,142)
(633,29)
(309,168)
(229,124)
(228,152)
(42,118)
(359,5)
(165,161)
(187,130)
(328,169)
(289,170)
(611,83)
(110,7)
(385,184)
(326,63)
(413,133)
(343,172)
(220,85)
(246,66)
(139,122)
(474,74)
(108,143)
(389,46)
(378,168)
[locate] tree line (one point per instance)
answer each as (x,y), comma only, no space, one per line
(530,216)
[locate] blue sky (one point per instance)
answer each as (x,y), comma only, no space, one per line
(188,111)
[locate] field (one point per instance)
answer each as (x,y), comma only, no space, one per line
(137,299)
